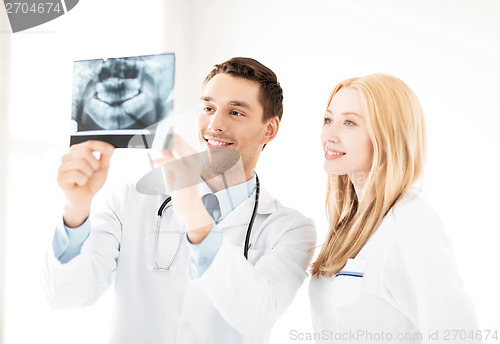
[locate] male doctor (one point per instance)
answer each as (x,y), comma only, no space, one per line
(208,283)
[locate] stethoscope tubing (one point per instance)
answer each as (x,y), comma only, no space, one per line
(247,237)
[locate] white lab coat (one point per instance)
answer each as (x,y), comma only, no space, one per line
(234,301)
(410,291)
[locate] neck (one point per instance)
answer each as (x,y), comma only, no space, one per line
(358,180)
(233,176)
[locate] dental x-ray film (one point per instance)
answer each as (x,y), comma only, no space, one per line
(122,100)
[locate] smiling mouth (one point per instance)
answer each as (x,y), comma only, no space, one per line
(216,143)
(332,153)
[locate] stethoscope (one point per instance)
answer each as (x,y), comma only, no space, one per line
(179,244)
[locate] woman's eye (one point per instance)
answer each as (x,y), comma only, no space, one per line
(327,120)
(349,123)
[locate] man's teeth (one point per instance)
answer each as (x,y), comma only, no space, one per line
(333,153)
(217,143)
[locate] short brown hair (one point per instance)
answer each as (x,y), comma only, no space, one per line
(271,94)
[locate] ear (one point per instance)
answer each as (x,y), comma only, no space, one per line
(272,126)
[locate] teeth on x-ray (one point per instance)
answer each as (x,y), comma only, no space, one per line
(118,99)
(135,112)
(140,107)
(114,91)
(121,94)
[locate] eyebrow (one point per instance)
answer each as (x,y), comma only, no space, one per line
(351,113)
(344,113)
(238,103)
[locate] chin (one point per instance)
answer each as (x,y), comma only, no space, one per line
(335,174)
(331,170)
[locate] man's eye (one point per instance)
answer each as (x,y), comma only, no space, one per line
(207,108)
(236,113)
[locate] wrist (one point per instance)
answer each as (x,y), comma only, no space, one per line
(75,217)
(198,223)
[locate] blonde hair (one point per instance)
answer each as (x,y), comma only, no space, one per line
(395,124)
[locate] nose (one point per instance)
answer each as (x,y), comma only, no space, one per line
(329,134)
(217,121)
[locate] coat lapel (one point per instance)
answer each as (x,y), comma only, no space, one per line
(242,214)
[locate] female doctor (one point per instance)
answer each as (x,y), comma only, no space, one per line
(386,272)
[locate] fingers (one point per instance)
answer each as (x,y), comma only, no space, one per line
(72,178)
(80,163)
(169,178)
(106,157)
(86,152)
(104,148)
(166,157)
(181,147)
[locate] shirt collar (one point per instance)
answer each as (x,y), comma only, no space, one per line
(231,197)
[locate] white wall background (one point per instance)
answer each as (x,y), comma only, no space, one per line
(446,51)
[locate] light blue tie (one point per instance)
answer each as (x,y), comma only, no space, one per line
(212,205)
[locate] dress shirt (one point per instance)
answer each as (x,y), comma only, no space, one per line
(203,253)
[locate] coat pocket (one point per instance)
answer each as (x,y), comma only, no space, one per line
(348,282)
